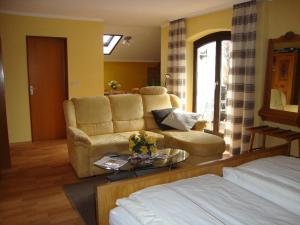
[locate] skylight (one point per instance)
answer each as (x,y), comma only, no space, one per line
(110,41)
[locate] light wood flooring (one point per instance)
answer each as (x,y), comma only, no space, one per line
(31,192)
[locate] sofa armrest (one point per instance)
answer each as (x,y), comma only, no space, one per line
(200,125)
(78,135)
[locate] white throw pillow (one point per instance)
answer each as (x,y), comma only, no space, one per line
(181,120)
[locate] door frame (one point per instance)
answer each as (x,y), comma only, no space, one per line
(66,78)
(218,37)
(5,159)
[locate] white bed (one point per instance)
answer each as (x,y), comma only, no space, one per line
(119,216)
(276,179)
(208,200)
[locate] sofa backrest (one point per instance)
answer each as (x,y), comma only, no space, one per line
(156,98)
(118,113)
(127,112)
(92,114)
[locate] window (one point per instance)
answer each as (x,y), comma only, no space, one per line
(212,62)
(110,41)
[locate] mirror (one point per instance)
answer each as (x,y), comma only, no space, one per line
(282,85)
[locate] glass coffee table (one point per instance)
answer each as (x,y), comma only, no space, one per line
(166,159)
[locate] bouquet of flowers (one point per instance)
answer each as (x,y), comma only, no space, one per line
(113,84)
(142,145)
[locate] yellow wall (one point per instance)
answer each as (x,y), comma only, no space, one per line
(85,63)
(197,27)
(275,18)
(128,74)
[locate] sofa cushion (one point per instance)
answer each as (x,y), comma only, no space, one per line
(175,101)
(103,144)
(195,142)
(93,115)
(108,143)
(159,115)
(153,90)
(154,102)
(181,120)
(159,137)
(127,112)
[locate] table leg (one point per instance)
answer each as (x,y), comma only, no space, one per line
(299,148)
(251,141)
(289,147)
(264,141)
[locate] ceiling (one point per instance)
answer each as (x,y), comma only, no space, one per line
(145,44)
(118,12)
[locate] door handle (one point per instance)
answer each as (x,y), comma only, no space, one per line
(31,89)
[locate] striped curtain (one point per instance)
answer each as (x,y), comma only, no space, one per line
(241,83)
(176,81)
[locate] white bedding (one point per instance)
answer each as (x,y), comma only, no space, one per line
(208,199)
(283,169)
(276,179)
(119,216)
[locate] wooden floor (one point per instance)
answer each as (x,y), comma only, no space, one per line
(31,192)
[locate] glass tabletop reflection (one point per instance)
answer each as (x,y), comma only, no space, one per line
(167,157)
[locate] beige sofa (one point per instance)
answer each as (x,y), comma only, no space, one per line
(99,125)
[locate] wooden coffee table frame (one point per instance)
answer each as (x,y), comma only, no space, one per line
(108,194)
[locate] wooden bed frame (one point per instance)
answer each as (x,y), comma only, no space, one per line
(108,194)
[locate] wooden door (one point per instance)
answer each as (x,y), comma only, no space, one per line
(153,75)
(4,145)
(47,76)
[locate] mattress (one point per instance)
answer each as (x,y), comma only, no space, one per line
(208,199)
(276,179)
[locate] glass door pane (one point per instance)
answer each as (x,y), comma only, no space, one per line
(206,60)
(226,46)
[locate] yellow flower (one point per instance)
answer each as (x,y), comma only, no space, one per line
(143,133)
(150,140)
(153,150)
(144,150)
(132,137)
(131,143)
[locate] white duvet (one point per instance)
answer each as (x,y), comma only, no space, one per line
(276,179)
(207,200)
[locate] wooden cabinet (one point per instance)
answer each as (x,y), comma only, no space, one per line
(285,75)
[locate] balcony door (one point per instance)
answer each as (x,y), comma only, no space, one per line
(211,68)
